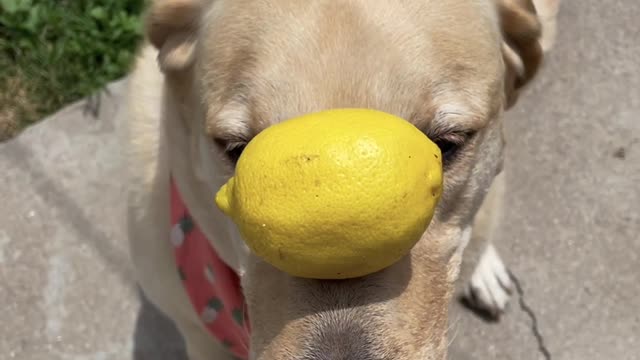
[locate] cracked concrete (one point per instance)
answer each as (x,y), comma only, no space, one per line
(570,234)
(535,326)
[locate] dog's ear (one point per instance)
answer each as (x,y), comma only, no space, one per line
(172,27)
(521,49)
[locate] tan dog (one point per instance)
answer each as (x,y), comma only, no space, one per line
(230,68)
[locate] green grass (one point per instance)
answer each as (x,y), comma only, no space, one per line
(58,51)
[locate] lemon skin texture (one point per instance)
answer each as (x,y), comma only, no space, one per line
(336,194)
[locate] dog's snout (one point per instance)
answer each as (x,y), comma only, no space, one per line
(349,343)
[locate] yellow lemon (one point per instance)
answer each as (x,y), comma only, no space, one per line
(336,194)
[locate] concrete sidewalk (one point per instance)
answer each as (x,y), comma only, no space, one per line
(570,234)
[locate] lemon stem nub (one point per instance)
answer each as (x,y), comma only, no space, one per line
(223,197)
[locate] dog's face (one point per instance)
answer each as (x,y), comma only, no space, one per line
(449,66)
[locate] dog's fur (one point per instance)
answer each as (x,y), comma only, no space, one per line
(226,69)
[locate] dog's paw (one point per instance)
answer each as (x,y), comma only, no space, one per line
(490,286)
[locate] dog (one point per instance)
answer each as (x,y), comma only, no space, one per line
(212,74)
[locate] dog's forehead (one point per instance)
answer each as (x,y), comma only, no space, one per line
(420,60)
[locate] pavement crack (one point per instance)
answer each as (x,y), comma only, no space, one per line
(542,347)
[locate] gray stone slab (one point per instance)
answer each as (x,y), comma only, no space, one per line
(570,234)
(66,281)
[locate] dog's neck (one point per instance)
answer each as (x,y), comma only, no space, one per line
(199,172)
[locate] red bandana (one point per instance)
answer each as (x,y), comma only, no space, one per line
(213,287)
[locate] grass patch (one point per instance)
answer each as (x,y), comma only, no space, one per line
(53,52)
(14,106)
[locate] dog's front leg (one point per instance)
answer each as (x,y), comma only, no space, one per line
(490,286)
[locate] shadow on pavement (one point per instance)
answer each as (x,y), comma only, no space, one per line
(155,336)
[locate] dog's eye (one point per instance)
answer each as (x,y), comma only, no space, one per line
(448,148)
(231,149)
(450,144)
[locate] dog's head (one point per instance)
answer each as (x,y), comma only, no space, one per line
(449,66)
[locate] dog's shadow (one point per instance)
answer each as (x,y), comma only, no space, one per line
(155,336)
(483,315)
